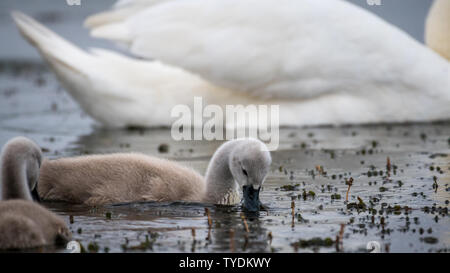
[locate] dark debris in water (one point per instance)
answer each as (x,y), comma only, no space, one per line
(314,242)
(399,195)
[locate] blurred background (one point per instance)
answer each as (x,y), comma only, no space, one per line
(67,21)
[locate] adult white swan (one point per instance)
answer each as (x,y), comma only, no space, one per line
(323,62)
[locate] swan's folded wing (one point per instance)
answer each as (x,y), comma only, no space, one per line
(271,49)
(121,10)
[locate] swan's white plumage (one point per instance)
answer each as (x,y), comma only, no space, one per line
(116,90)
(122,9)
(327,63)
(281,49)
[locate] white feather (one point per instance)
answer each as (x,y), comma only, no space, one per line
(282,49)
(121,10)
(437,28)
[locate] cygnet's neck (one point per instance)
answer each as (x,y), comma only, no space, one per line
(221,188)
(14,178)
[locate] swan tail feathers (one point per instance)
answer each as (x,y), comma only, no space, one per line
(78,71)
(55,49)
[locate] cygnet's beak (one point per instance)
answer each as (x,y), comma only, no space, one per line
(251,198)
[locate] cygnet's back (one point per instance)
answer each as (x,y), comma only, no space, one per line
(115,178)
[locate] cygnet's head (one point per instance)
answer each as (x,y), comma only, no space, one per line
(20,154)
(249,164)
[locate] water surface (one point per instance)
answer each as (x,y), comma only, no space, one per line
(32,104)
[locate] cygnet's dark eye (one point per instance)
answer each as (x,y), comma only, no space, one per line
(245,172)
